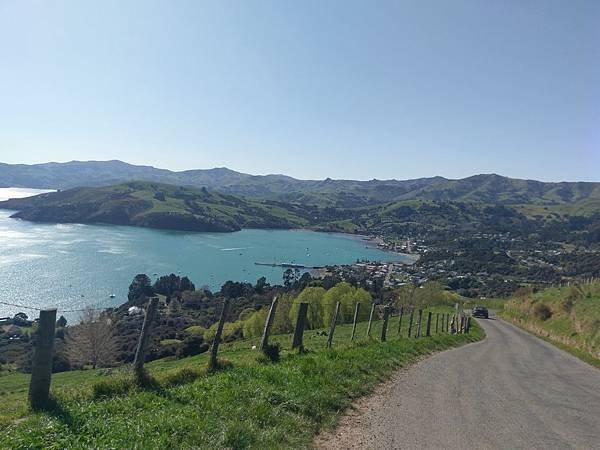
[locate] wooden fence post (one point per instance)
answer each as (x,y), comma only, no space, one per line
(212,363)
(370,319)
(468,326)
(410,321)
(447,322)
(299,330)
(437,322)
(356,308)
(332,327)
(140,353)
(264,342)
(418,333)
(386,318)
(41,368)
(400,321)
(428,333)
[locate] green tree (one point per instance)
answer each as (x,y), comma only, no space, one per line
(348,296)
(253,326)
(429,294)
(246,313)
(61,322)
(314,297)
(141,286)
(404,295)
(343,293)
(364,298)
(282,322)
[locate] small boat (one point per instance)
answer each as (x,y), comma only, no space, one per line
(112,295)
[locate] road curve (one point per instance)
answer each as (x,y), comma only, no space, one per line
(509,391)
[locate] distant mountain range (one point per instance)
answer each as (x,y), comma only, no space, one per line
(487,188)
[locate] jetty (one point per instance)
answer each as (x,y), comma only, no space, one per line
(288,265)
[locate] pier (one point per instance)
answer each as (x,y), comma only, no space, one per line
(288,265)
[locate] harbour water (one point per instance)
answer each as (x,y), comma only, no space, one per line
(73,265)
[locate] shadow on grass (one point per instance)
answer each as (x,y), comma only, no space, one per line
(54,407)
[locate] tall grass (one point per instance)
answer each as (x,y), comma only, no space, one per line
(568,316)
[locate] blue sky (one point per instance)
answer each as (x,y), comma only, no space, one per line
(345,89)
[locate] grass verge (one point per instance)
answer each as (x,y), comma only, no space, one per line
(247,405)
(567,317)
(577,352)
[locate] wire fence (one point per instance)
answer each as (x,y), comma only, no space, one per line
(421,323)
(37,308)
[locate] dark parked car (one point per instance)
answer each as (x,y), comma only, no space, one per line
(480,311)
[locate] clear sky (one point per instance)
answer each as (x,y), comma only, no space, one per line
(312,89)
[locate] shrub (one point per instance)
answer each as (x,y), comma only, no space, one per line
(567,304)
(272,352)
(181,376)
(169,342)
(195,329)
(253,326)
(246,313)
(111,387)
(192,345)
(231,331)
(542,311)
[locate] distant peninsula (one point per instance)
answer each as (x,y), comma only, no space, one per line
(154,205)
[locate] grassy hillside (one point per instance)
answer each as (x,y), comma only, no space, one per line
(486,188)
(250,404)
(568,316)
(154,205)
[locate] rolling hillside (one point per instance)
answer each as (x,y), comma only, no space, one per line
(153,205)
(488,188)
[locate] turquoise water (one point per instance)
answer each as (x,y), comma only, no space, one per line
(55,264)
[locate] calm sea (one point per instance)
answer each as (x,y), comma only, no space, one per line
(70,266)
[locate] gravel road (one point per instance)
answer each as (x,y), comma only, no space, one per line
(510,391)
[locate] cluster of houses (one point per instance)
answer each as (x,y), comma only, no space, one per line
(13,328)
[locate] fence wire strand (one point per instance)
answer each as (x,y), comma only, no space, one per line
(58,309)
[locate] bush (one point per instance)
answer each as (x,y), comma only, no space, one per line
(541,311)
(246,313)
(192,345)
(272,352)
(111,387)
(60,363)
(195,329)
(181,376)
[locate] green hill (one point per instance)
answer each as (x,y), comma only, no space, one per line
(154,205)
(486,188)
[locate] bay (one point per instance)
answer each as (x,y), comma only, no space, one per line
(70,266)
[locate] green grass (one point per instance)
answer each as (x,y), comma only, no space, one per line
(574,318)
(247,405)
(167,342)
(496,304)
